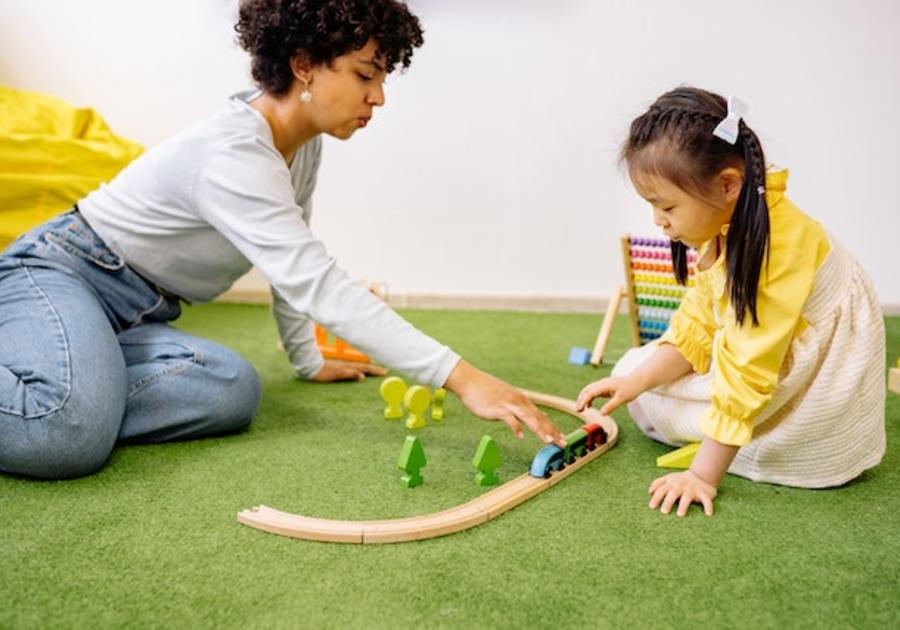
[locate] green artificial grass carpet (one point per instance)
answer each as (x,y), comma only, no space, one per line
(152,539)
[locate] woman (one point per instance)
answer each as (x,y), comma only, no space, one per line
(87,358)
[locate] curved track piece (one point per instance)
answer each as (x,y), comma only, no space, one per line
(475,512)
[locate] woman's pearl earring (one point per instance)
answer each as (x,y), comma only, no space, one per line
(306,95)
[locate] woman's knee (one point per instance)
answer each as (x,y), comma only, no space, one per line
(208,388)
(64,428)
(73,442)
(62,377)
(238,392)
(66,464)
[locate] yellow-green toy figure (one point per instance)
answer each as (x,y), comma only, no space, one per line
(417,399)
(392,391)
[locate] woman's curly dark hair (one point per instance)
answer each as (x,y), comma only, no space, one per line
(273,31)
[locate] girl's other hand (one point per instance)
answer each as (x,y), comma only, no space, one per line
(347,371)
(619,390)
(685,488)
(492,399)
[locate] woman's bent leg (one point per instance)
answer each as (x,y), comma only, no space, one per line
(183,387)
(62,375)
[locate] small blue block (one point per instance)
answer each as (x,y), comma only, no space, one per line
(579,356)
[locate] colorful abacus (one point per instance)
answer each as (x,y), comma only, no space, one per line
(653,291)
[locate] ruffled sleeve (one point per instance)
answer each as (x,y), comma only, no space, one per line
(693,325)
(748,358)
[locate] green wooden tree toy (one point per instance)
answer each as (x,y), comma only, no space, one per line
(412,459)
(487,460)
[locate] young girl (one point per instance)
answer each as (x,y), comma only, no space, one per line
(775,358)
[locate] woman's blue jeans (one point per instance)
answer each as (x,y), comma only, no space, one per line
(87,359)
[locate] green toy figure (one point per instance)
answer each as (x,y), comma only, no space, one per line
(487,460)
(412,459)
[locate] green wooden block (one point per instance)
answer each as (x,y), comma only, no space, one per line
(411,460)
(487,460)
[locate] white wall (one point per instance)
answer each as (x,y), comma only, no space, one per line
(492,169)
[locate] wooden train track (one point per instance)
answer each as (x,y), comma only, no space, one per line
(475,512)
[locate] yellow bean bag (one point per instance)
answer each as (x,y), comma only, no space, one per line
(51,155)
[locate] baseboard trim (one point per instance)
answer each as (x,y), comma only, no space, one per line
(246,296)
(532,303)
(536,303)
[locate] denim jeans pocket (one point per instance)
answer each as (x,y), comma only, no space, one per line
(68,241)
(35,361)
(76,238)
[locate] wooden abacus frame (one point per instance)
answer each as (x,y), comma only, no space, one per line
(651,288)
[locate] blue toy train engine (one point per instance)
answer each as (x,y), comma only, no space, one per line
(552,458)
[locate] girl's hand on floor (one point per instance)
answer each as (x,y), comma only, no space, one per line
(492,399)
(346,371)
(684,487)
(619,390)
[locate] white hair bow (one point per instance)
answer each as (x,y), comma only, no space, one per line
(729,127)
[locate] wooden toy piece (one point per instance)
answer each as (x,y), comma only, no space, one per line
(571,468)
(513,493)
(338,349)
(426,526)
(488,506)
(548,460)
(417,399)
(286,524)
(437,405)
(487,460)
(680,458)
(609,319)
(595,435)
(392,390)
(412,459)
(579,356)
(552,459)
(576,445)
(632,297)
(894,379)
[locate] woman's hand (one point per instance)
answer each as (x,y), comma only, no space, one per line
(346,371)
(685,488)
(619,390)
(492,399)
